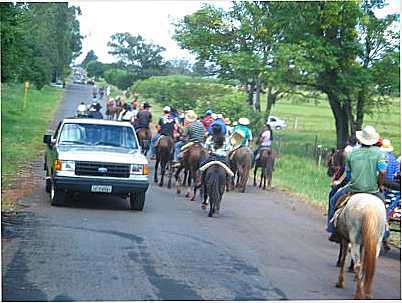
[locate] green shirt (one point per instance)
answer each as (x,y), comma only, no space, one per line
(364,163)
(245,132)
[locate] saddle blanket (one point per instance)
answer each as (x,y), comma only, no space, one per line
(209,164)
(340,206)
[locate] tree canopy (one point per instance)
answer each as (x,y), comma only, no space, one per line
(39,41)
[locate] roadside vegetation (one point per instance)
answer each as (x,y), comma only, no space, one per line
(22,130)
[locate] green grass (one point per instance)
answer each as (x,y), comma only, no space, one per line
(296,170)
(114,91)
(22,130)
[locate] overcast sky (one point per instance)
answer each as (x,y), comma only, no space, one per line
(151,19)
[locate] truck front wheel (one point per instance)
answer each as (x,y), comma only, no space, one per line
(137,200)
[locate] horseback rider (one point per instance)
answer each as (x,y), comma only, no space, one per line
(241,130)
(393,168)
(82,110)
(207,120)
(362,166)
(94,111)
(218,119)
(264,141)
(144,117)
(166,126)
(126,114)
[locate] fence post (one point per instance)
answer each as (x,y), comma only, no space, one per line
(295,126)
(319,152)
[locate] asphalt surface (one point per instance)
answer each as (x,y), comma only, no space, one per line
(263,246)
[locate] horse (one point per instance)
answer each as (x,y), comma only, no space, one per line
(144,137)
(164,156)
(191,162)
(266,162)
(361,224)
(240,163)
(215,181)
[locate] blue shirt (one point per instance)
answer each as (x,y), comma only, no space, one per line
(392,166)
(220,122)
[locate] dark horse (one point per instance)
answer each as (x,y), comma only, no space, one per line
(240,163)
(144,137)
(164,156)
(214,182)
(266,162)
(191,162)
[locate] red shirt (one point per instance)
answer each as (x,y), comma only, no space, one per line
(207,121)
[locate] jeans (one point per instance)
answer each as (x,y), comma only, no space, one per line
(331,207)
(153,143)
(177,150)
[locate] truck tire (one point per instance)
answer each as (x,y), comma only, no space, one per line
(137,200)
(48,185)
(56,196)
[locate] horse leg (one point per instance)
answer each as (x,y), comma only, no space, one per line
(343,252)
(265,179)
(156,170)
(170,170)
(355,251)
(189,179)
(178,181)
(163,170)
(211,208)
(255,175)
(261,177)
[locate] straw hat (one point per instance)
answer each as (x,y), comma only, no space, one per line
(227,121)
(244,121)
(386,146)
(190,116)
(368,136)
(167,109)
(214,116)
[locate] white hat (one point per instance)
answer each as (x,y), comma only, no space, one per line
(368,136)
(167,109)
(386,146)
(190,116)
(214,116)
(244,121)
(219,116)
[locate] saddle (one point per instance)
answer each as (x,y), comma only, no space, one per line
(233,151)
(340,206)
(261,149)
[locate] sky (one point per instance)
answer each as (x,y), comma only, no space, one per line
(151,19)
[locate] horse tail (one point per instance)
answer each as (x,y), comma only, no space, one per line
(213,187)
(370,225)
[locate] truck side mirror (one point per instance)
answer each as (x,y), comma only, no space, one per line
(47,139)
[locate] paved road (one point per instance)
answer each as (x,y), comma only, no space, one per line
(264,246)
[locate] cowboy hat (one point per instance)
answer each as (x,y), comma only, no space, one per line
(219,116)
(386,146)
(367,136)
(146,105)
(227,121)
(209,112)
(214,116)
(190,116)
(167,109)
(244,121)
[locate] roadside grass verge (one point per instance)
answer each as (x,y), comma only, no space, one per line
(114,90)
(22,131)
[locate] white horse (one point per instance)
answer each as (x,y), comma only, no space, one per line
(362,225)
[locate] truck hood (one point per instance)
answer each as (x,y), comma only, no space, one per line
(108,154)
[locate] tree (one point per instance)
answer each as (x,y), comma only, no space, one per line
(339,52)
(119,77)
(95,69)
(139,58)
(90,57)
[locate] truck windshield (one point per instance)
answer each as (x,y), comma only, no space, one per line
(95,134)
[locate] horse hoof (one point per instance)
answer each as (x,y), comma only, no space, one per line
(203,206)
(210,215)
(160,184)
(339,285)
(187,195)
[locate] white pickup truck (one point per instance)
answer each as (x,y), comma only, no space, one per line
(95,156)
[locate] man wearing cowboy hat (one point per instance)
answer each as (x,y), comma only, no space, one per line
(366,167)
(144,117)
(194,132)
(393,168)
(242,135)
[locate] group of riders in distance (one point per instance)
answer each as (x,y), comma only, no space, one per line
(212,152)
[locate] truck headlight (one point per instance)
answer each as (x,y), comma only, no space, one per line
(139,169)
(64,165)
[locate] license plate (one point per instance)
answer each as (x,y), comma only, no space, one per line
(101,188)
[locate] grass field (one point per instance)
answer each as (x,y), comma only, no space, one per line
(22,130)
(312,121)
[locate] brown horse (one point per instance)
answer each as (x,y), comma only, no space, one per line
(144,137)
(240,163)
(266,162)
(191,162)
(164,151)
(361,224)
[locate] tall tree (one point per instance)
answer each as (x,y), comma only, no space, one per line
(90,57)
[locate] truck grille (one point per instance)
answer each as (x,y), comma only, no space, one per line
(106,169)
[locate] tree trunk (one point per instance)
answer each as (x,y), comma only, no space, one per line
(360,110)
(271,98)
(250,93)
(257,103)
(341,120)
